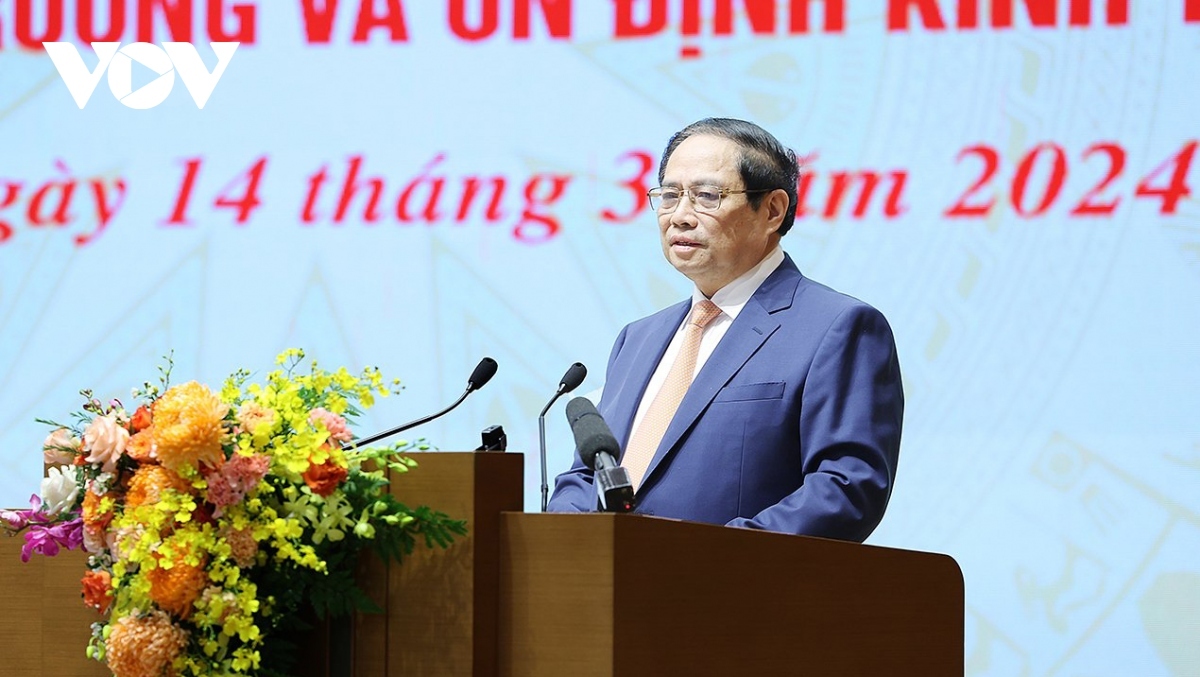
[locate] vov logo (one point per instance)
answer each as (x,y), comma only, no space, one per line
(166,61)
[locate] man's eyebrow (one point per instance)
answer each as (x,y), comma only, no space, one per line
(703,181)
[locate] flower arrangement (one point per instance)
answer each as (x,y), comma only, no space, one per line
(213,518)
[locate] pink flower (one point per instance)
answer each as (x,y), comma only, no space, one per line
(230,483)
(60,447)
(218,600)
(94,540)
(120,542)
(106,440)
(242,546)
(336,425)
(252,414)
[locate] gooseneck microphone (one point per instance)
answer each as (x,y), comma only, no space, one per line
(484,371)
(599,450)
(570,381)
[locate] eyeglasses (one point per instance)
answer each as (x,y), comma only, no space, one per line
(704,198)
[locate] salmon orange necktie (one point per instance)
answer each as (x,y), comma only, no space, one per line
(653,426)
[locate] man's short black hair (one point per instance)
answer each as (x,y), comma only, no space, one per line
(765,163)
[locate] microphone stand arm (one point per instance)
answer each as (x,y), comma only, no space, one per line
(542,446)
(411,424)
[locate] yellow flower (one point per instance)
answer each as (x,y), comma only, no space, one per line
(293,355)
(188,427)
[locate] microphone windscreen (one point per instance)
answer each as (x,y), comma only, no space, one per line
(592,434)
(574,376)
(577,407)
(484,371)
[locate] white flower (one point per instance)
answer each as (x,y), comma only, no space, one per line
(60,447)
(59,490)
(106,440)
(101,484)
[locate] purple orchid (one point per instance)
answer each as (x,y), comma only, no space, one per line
(16,520)
(47,539)
(12,520)
(44,534)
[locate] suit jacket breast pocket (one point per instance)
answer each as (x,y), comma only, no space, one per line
(751,391)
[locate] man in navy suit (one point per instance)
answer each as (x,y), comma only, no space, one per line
(767,400)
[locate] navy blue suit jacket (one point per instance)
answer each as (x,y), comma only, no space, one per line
(792,425)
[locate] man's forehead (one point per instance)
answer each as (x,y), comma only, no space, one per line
(703,157)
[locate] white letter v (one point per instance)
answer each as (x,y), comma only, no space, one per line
(80,81)
(196,77)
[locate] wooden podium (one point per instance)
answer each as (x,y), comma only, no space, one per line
(543,594)
(628,595)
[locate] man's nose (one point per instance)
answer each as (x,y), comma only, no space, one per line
(685,212)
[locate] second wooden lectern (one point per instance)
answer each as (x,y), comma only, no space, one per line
(630,595)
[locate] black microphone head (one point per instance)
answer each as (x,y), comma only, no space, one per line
(571,380)
(592,434)
(577,407)
(484,371)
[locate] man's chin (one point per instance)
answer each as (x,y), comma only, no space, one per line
(692,268)
(684,264)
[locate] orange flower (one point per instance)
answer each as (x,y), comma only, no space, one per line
(144,646)
(92,517)
(141,419)
(323,479)
(149,483)
(188,427)
(176,589)
(97,587)
(140,446)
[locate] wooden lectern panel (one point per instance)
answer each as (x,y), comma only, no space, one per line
(44,626)
(556,597)
(442,605)
(633,595)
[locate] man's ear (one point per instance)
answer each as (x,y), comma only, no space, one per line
(777,202)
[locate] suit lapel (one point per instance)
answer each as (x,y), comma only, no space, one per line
(753,326)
